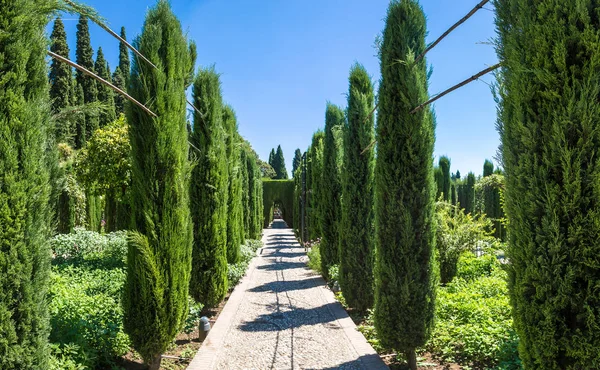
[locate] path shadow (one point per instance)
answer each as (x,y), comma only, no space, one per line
(364,362)
(278,266)
(284,320)
(287,286)
(281,254)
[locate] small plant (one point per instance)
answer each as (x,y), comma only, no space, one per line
(193,319)
(314,257)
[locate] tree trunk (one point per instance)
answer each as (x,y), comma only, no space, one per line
(154,362)
(411,357)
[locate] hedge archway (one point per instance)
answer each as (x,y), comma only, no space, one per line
(280,192)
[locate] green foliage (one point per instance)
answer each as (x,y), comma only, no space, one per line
(315,186)
(458,232)
(235,214)
(474,323)
(492,187)
(356,227)
(549,129)
(280,193)
(105,93)
(405,278)
(85,58)
(278,164)
(27,152)
(297,161)
(255,197)
(60,80)
(209,191)
(71,208)
(124,63)
(469,194)
(236,271)
(314,256)
(160,249)
(330,195)
(444,165)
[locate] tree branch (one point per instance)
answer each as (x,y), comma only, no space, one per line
(454,26)
(468,80)
(102,81)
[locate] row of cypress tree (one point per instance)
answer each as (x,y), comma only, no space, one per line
(277,161)
(187,188)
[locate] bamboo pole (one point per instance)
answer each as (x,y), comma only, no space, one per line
(448,91)
(102,81)
(454,26)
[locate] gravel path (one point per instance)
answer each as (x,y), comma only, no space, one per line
(286,318)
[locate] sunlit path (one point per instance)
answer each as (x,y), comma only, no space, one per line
(283,317)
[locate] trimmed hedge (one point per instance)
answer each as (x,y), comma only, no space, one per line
(281,192)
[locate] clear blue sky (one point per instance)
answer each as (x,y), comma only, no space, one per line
(281,61)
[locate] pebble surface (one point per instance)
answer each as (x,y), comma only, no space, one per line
(285,321)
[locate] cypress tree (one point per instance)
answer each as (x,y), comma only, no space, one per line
(453,194)
(255,215)
(85,58)
(159,254)
(356,226)
(488,193)
(245,192)
(60,80)
(118,79)
(235,225)
(331,201)
(272,158)
(279,164)
(105,93)
(469,193)
(297,161)
(124,64)
(25,158)
(444,165)
(549,120)
(209,191)
(80,122)
(438,176)
(316,188)
(405,277)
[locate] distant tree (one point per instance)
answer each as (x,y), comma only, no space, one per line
(279,164)
(405,278)
(297,161)
(160,249)
(266,170)
(124,63)
(469,193)
(457,174)
(209,192)
(105,93)
(331,200)
(356,226)
(85,58)
(118,79)
(26,150)
(438,177)
(60,81)
(272,157)
(444,164)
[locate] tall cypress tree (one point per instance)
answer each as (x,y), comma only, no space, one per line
(279,164)
(297,161)
(245,191)
(316,188)
(26,142)
(405,277)
(356,226)
(272,158)
(159,256)
(331,201)
(488,193)
(105,93)
(549,120)
(255,214)
(444,165)
(60,80)
(85,58)
(124,63)
(209,192)
(235,224)
(118,79)
(469,195)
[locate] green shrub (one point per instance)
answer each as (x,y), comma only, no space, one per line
(474,322)
(89,245)
(314,257)
(236,271)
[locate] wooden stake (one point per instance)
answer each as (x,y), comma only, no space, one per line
(102,81)
(468,80)
(463,20)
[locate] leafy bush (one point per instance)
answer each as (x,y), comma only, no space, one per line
(236,271)
(314,257)
(193,318)
(85,300)
(474,322)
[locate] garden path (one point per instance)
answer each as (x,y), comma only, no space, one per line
(282,316)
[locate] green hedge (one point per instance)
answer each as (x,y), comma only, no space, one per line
(281,192)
